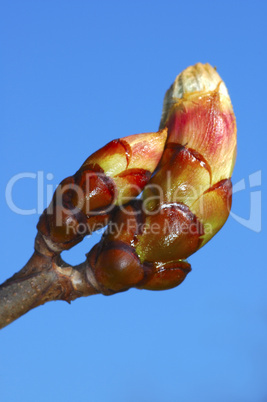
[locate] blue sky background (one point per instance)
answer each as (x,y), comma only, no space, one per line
(75,75)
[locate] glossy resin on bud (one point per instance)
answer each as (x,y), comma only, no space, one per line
(188,199)
(116,264)
(110,177)
(199,116)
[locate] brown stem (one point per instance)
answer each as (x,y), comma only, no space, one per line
(44,278)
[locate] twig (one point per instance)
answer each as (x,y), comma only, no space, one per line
(45,277)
